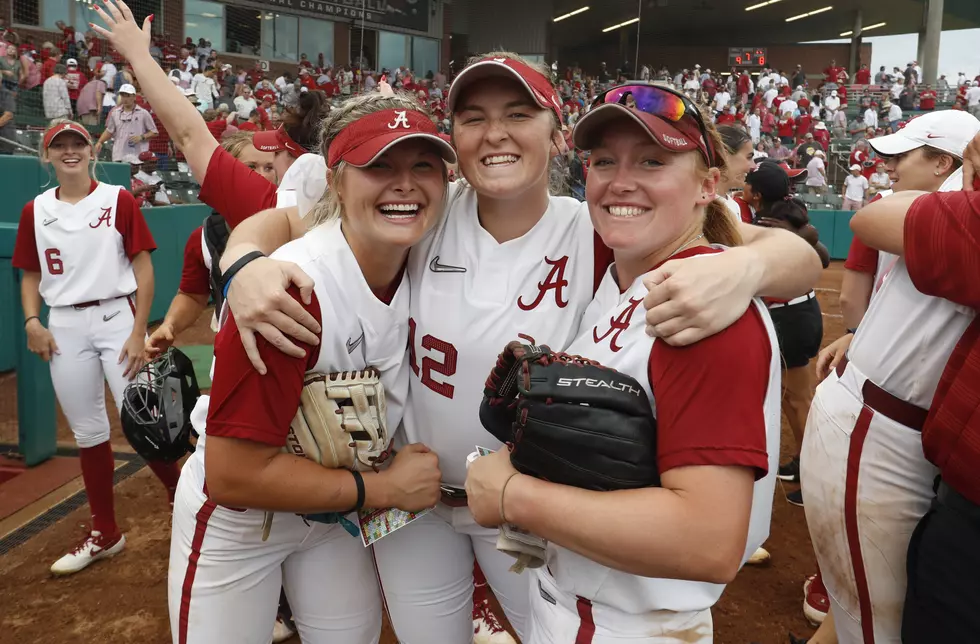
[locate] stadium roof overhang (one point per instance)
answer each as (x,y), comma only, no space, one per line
(726,22)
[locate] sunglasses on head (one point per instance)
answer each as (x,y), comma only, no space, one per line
(662,102)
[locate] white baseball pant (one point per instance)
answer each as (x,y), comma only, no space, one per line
(224,581)
(426,571)
(866,484)
(560,618)
(89,342)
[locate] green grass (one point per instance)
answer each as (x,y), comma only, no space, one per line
(200,355)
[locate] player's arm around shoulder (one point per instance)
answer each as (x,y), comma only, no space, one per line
(692,298)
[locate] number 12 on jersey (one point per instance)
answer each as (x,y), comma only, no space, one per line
(444,365)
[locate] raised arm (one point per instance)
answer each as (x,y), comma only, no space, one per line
(691,299)
(183,122)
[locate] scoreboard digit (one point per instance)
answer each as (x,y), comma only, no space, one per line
(747,57)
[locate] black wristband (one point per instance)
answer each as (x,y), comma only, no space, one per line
(359,481)
(33,317)
(853,331)
(237,266)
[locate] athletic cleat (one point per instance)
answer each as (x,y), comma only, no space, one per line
(760,557)
(796,498)
(790,472)
(486,628)
(91,549)
(816,603)
(281,631)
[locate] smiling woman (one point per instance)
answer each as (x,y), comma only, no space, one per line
(387,174)
(84,250)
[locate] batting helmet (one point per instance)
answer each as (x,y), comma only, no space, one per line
(156,409)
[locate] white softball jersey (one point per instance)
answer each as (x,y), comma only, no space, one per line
(82,247)
(471,296)
(612,332)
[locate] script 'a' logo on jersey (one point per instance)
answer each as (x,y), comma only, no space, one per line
(617,325)
(554,281)
(105,217)
(401,120)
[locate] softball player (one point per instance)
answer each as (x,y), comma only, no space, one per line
(866,479)
(388,190)
(646,565)
(525,264)
(84,249)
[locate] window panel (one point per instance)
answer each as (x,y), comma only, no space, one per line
(280,36)
(315,38)
(391,50)
(204,19)
(54,10)
(425,56)
(242,30)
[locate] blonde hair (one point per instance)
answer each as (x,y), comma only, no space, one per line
(557,171)
(718,227)
(330,206)
(42,155)
(235,144)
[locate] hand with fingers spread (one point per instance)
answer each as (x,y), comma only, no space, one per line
(258,299)
(831,355)
(694,298)
(122,32)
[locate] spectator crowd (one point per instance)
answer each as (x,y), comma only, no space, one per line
(791,116)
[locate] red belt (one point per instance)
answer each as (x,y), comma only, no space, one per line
(454,497)
(91,303)
(901,411)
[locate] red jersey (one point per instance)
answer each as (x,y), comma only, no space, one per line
(195,278)
(726,118)
(803,124)
(927,100)
(248,126)
(76,81)
(47,69)
(943,260)
(863,77)
(743,83)
(787,126)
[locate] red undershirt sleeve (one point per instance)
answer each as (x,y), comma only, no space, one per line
(235,190)
(25,247)
(710,398)
(195,278)
(250,406)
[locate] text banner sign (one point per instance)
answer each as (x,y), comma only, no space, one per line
(409,14)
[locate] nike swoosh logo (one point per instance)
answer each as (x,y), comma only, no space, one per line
(436,267)
(106,318)
(49,221)
(353,344)
(934,136)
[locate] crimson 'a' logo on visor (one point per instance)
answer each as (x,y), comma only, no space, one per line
(401,120)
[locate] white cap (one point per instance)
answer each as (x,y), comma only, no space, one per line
(820,126)
(856,167)
(697,67)
(127,89)
(949,130)
(225,67)
(71,62)
(820,153)
(189,92)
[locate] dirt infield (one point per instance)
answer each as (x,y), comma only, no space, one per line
(125,599)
